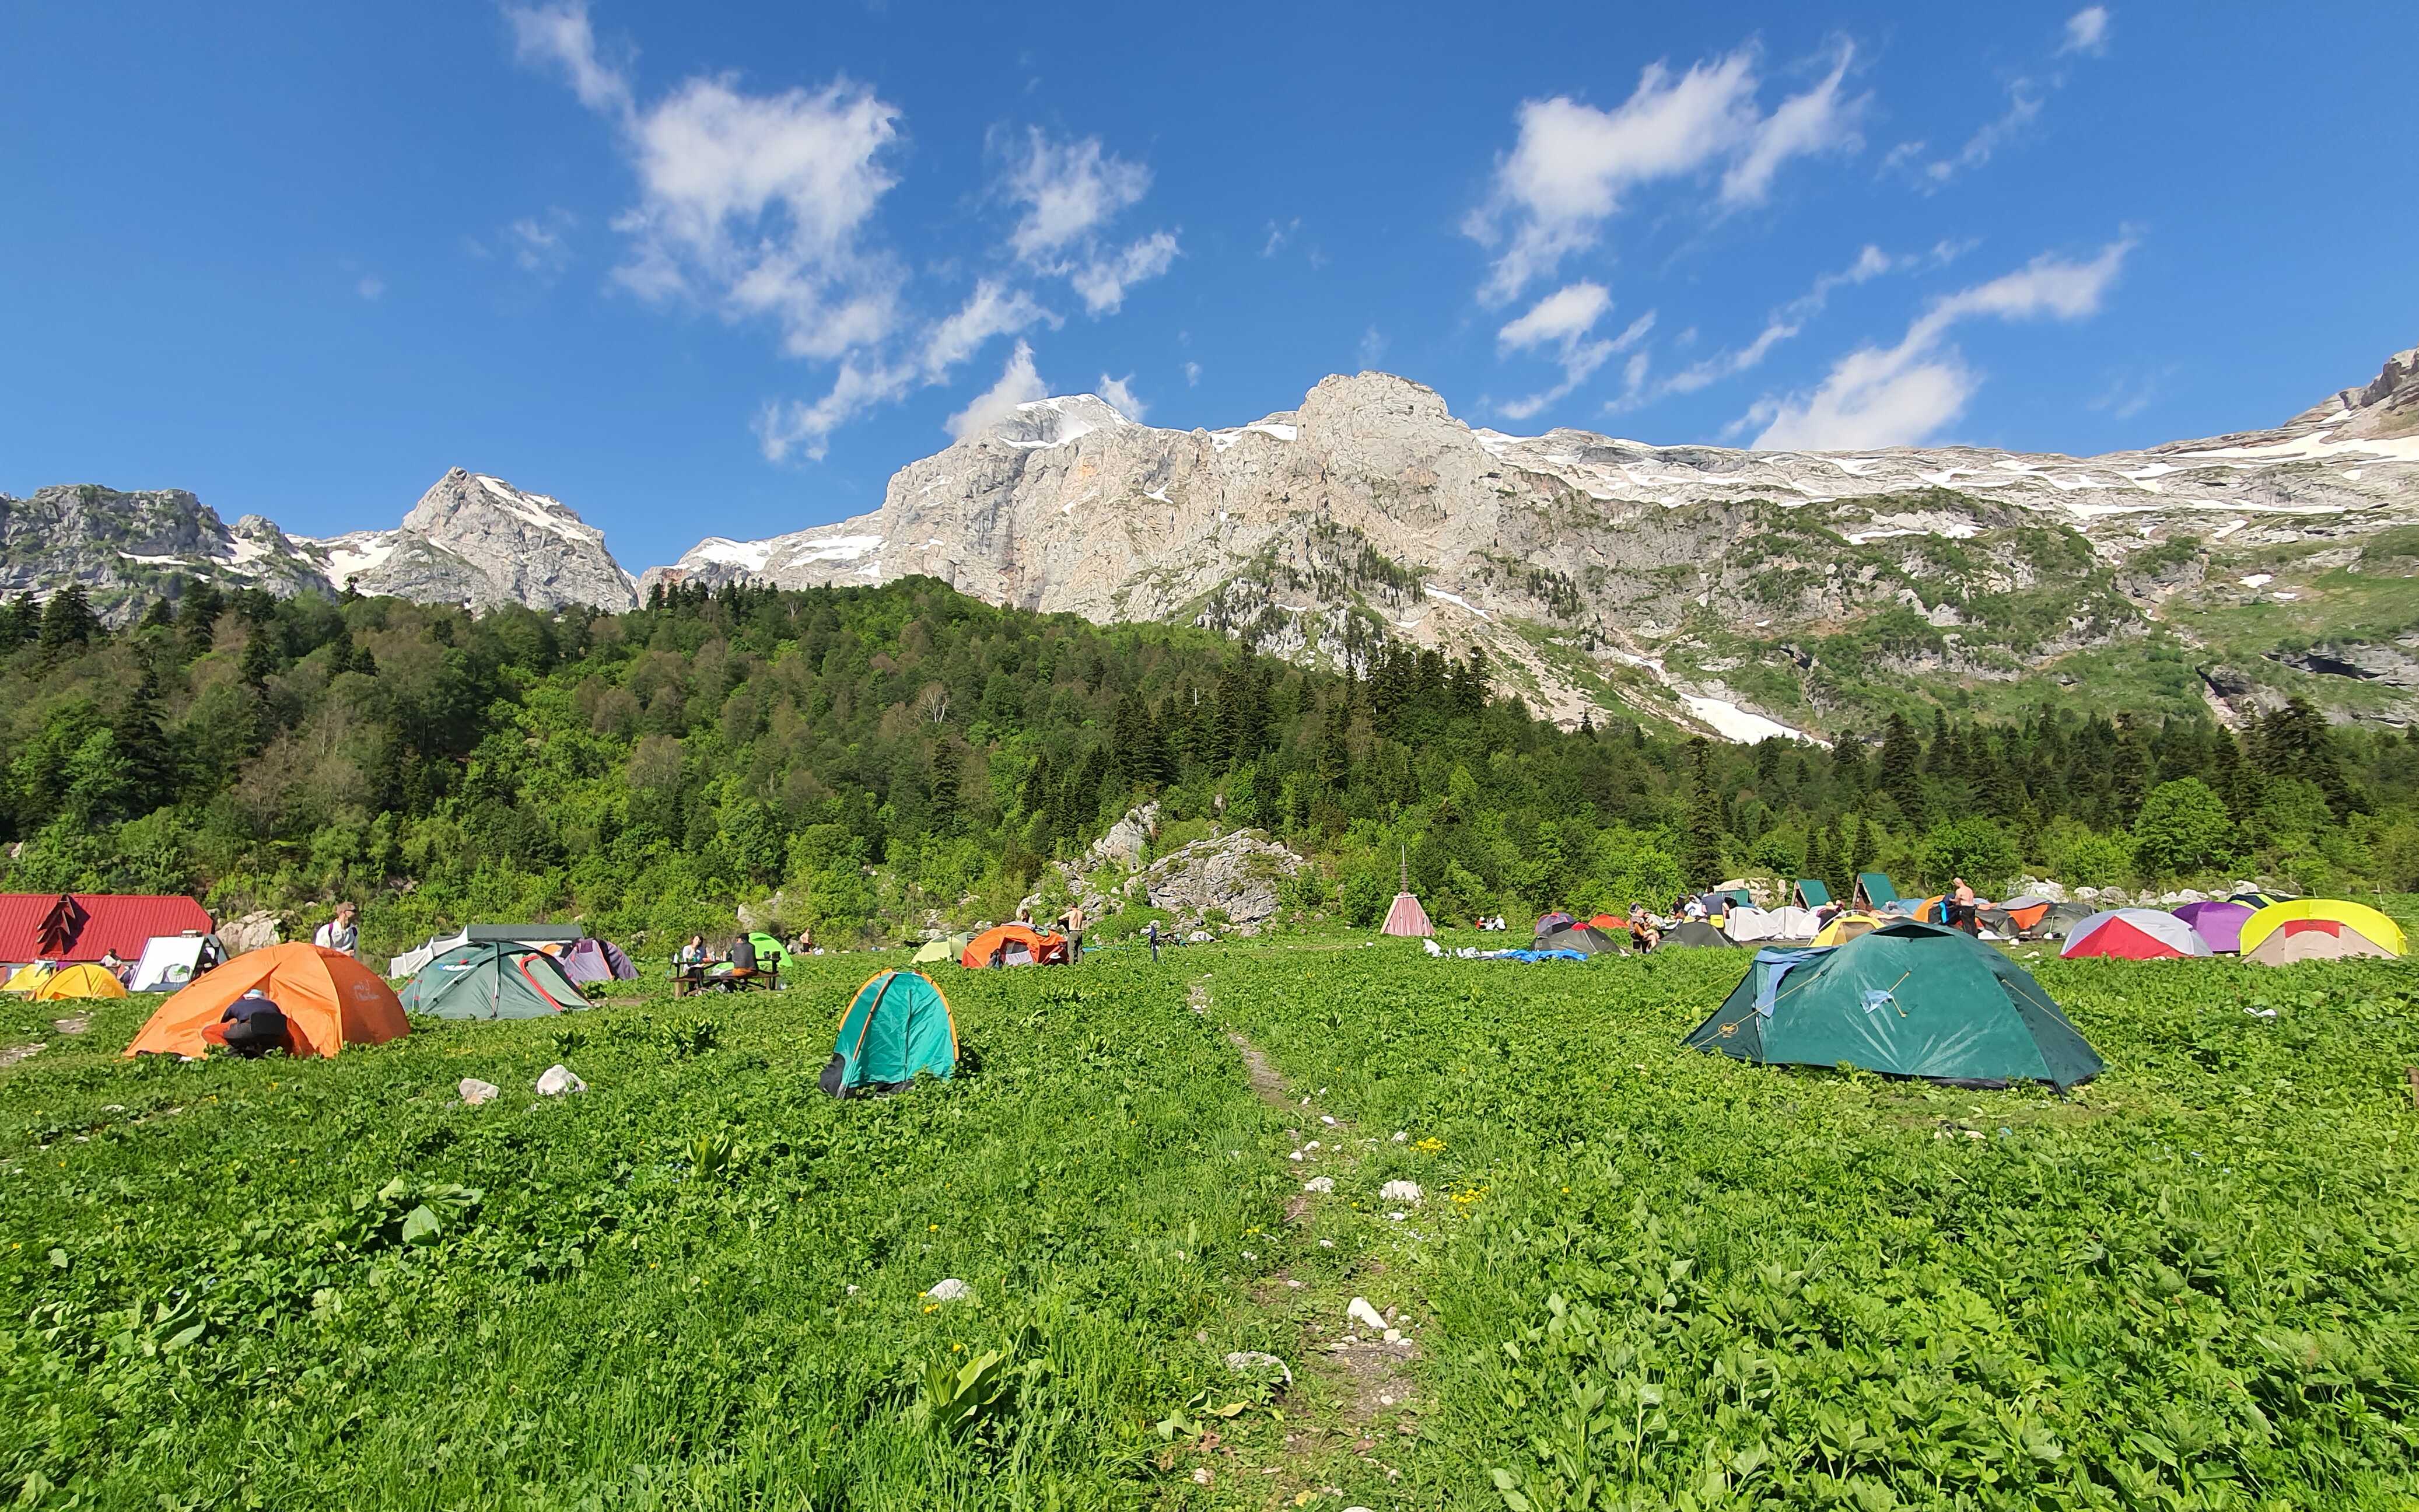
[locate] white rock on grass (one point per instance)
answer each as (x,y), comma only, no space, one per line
(951,1289)
(475,1091)
(1401,1137)
(1359,1311)
(1400,1192)
(1328,1119)
(1251,1362)
(559,1080)
(1320,1184)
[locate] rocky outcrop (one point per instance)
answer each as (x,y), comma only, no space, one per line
(1234,876)
(1586,567)
(471,539)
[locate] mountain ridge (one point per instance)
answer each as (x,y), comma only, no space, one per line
(1601,573)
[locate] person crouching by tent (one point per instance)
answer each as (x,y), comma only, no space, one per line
(251,1026)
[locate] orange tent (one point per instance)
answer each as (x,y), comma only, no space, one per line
(991,946)
(1608,922)
(330,999)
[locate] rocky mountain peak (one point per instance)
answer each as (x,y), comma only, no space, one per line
(1054,421)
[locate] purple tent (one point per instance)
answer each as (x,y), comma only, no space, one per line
(2219,923)
(597,960)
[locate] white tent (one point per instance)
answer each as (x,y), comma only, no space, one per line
(170,961)
(1749,925)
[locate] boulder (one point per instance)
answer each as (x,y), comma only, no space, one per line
(256,931)
(1236,874)
(1122,846)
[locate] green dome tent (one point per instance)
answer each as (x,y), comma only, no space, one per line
(897,1025)
(1908,999)
(491,980)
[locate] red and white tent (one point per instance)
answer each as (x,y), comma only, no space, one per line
(1407,917)
(2134,934)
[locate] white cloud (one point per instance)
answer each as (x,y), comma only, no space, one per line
(539,245)
(1560,315)
(1072,192)
(1102,281)
(1788,321)
(1902,396)
(1191,374)
(1819,120)
(1373,346)
(794,426)
(561,34)
(992,310)
(2087,32)
(759,204)
(371,288)
(1279,233)
(2024,101)
(1119,392)
(1070,189)
(1563,320)
(1572,164)
(1018,385)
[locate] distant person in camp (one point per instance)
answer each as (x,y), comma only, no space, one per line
(1960,905)
(1151,932)
(1641,929)
(692,954)
(804,944)
(1694,908)
(114,964)
(743,959)
(253,1026)
(342,933)
(1075,934)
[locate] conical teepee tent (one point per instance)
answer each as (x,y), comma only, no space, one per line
(1407,917)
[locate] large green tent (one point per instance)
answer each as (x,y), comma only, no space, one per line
(491,980)
(1907,999)
(897,1026)
(771,954)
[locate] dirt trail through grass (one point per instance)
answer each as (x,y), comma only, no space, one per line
(1355,1395)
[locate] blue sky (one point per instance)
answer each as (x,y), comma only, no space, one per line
(722,270)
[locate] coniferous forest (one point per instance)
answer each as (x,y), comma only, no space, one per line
(890,759)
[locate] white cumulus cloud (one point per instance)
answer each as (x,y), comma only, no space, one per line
(1572,163)
(1119,392)
(2087,32)
(1070,192)
(1562,323)
(1902,396)
(1019,383)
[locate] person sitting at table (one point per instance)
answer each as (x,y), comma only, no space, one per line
(691,955)
(743,959)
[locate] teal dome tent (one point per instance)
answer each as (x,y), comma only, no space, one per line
(1907,999)
(492,980)
(897,1025)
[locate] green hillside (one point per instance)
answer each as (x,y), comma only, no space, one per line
(894,758)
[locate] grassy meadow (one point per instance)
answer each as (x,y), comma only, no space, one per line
(1633,1276)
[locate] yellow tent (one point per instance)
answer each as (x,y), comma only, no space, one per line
(2318,929)
(27,977)
(79,981)
(1846,927)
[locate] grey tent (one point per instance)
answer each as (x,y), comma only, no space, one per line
(1696,932)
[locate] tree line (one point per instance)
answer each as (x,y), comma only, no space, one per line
(891,759)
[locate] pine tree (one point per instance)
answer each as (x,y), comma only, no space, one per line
(19,621)
(1702,854)
(945,777)
(1901,773)
(67,620)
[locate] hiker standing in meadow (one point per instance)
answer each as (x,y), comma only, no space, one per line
(1074,933)
(342,933)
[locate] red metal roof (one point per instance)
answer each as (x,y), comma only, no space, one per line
(117,921)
